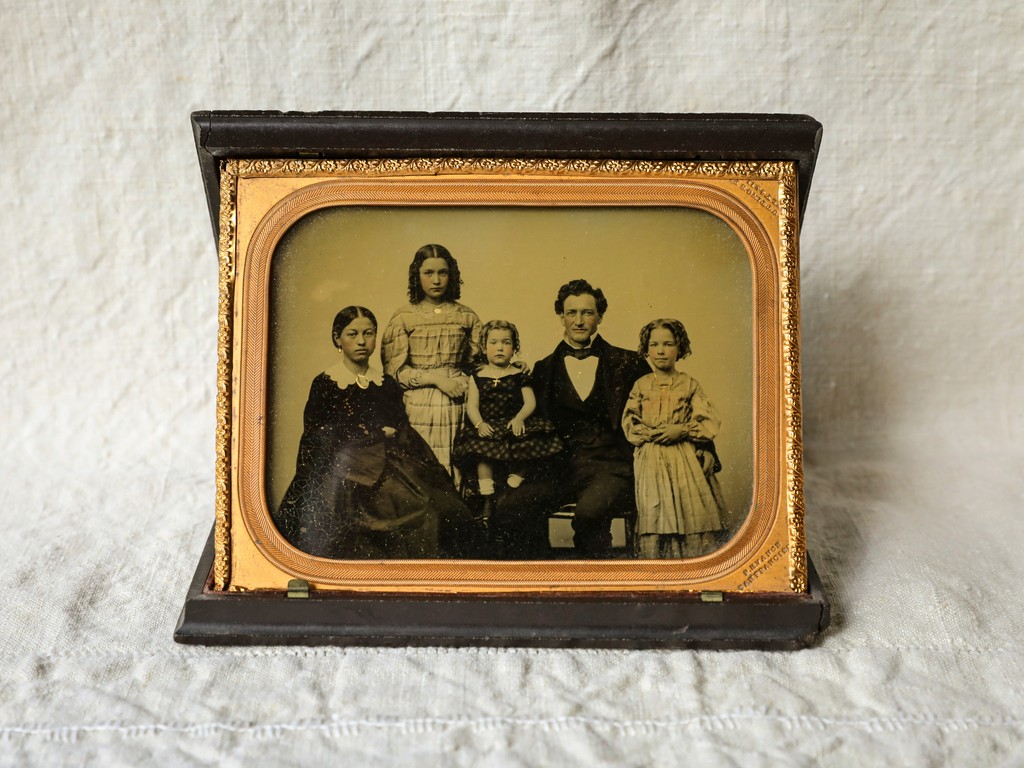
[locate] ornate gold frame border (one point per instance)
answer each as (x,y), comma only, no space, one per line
(417,181)
(226,268)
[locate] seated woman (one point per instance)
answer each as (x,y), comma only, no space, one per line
(366,484)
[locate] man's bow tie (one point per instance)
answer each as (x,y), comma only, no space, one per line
(579,354)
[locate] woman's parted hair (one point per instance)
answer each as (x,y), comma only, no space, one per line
(434,251)
(669,324)
(346,316)
(580,288)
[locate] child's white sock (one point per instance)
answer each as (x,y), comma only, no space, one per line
(514,481)
(487,487)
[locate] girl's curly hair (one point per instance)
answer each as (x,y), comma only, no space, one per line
(499,325)
(433,251)
(677,330)
(480,359)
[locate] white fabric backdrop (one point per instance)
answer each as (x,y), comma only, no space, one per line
(912,286)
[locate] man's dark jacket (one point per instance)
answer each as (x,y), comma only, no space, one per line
(617,371)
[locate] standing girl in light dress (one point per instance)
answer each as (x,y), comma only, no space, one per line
(672,424)
(428,347)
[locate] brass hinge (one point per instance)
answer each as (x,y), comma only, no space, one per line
(298,588)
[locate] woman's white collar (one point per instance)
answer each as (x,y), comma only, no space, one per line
(344,378)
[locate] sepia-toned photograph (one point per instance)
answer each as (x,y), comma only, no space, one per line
(509,383)
(452,376)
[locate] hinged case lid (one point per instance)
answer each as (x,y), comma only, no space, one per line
(658,137)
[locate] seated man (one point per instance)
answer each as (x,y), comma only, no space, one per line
(582,387)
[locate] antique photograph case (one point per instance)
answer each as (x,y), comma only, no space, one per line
(507,379)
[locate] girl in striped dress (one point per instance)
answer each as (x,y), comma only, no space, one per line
(679,502)
(428,347)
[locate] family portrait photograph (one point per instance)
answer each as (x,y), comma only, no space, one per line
(509,383)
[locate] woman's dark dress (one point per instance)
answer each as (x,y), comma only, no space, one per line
(357,494)
(500,400)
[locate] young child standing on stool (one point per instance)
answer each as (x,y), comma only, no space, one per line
(499,405)
(673,425)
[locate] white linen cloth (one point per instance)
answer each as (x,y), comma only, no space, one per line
(912,280)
